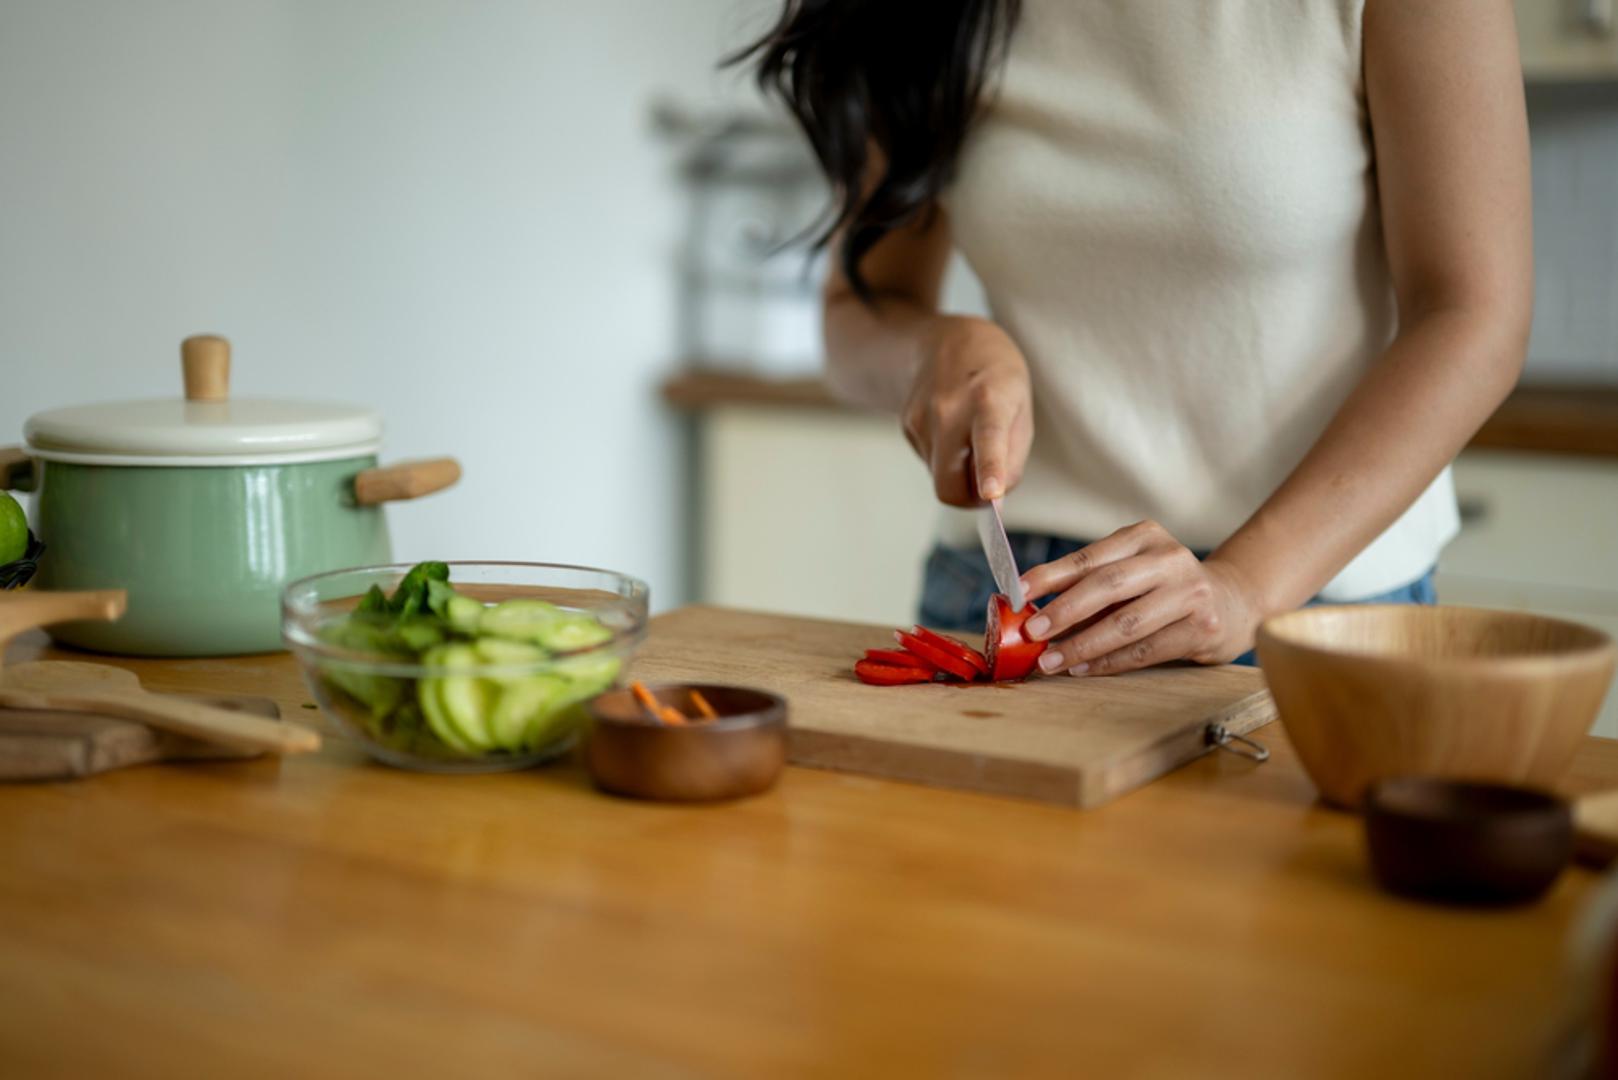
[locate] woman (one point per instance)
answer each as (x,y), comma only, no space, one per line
(1258,269)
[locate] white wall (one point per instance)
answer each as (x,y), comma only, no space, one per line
(454,211)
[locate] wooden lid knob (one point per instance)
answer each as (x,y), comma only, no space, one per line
(206,360)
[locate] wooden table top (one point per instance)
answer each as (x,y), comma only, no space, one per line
(324,916)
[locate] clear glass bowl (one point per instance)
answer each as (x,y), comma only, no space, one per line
(395,727)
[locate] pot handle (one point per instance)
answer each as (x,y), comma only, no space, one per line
(16,469)
(405,480)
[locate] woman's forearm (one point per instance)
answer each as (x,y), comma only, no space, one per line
(1437,383)
(873,351)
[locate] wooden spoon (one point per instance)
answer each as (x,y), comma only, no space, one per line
(68,686)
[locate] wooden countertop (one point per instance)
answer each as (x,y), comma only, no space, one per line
(1537,418)
(324,916)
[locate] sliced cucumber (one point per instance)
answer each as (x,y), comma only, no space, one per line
(520,620)
(467,698)
(586,677)
(570,632)
(553,723)
(501,651)
(592,674)
(524,703)
(464,614)
(430,697)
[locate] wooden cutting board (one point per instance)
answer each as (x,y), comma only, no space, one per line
(37,745)
(1078,742)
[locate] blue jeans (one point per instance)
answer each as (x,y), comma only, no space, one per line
(957,583)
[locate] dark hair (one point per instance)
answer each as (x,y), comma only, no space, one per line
(905,75)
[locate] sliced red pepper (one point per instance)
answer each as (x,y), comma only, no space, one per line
(1011,655)
(899,658)
(869,671)
(943,659)
(956,648)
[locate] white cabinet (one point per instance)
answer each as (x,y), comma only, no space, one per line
(812,511)
(1568,39)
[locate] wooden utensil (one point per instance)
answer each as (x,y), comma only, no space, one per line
(71,686)
(1372,691)
(22,611)
(62,746)
(1595,825)
(67,686)
(1064,740)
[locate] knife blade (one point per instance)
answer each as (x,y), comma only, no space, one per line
(997,546)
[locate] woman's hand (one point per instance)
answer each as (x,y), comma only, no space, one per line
(1140,598)
(969,414)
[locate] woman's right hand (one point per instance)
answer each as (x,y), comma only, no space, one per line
(970,413)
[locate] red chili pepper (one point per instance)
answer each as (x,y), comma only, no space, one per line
(869,671)
(943,659)
(899,658)
(1010,654)
(955,648)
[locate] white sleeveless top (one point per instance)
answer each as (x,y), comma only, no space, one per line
(1171,205)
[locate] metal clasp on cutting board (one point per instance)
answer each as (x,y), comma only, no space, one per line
(1230,742)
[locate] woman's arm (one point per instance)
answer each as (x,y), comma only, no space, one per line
(1444,86)
(959,384)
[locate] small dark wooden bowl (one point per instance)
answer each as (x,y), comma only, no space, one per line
(1466,843)
(739,754)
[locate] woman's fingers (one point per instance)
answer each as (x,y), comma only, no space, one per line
(1126,628)
(1112,584)
(950,462)
(1173,642)
(1069,570)
(992,424)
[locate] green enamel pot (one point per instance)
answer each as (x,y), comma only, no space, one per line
(204,509)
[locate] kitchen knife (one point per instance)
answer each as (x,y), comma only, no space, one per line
(997,546)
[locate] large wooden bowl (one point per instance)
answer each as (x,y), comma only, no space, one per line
(1372,691)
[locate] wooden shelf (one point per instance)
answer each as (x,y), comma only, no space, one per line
(1551,419)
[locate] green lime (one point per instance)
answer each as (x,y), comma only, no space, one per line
(13,530)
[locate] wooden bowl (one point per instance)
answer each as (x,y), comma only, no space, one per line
(741,753)
(1372,691)
(1466,843)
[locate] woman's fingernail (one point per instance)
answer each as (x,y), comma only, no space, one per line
(1038,626)
(1078,669)
(990,489)
(1050,662)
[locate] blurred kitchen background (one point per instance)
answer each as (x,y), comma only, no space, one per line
(545,237)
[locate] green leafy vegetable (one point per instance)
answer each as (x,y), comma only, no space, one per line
(375,602)
(410,598)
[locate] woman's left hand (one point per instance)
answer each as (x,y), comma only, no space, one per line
(1138,598)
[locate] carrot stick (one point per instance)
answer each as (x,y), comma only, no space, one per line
(664,714)
(647,702)
(701,704)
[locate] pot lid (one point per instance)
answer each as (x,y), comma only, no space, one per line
(206,427)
